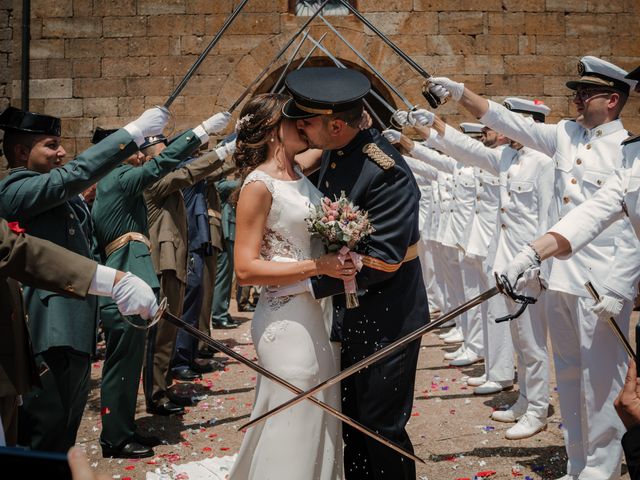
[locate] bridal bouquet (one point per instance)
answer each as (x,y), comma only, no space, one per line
(342,226)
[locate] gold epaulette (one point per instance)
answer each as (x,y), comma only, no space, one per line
(631,139)
(374,152)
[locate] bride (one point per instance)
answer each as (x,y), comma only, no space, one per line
(290,334)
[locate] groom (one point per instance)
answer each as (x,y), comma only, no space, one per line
(327,104)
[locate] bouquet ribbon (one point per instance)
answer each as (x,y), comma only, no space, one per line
(344,253)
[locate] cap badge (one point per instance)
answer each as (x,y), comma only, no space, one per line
(580,68)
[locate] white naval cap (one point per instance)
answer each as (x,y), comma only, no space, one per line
(471,128)
(537,109)
(594,71)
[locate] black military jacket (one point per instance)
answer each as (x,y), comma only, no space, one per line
(393,300)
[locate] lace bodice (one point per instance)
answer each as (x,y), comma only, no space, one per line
(286,236)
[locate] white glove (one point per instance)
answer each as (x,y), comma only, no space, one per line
(421,117)
(442,87)
(303,286)
(150,123)
(134,297)
(216,123)
(226,150)
(610,305)
(523,273)
(400,117)
(392,136)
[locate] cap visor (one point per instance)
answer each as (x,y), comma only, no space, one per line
(290,110)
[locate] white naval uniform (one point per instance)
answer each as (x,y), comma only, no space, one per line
(426,176)
(526,180)
(456,237)
(589,362)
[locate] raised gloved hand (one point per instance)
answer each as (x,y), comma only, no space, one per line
(401,118)
(610,305)
(444,87)
(134,297)
(392,136)
(303,286)
(421,117)
(216,123)
(226,150)
(150,123)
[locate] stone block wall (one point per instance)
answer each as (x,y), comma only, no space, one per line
(100,63)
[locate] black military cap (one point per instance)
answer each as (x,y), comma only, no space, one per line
(16,120)
(634,74)
(324,91)
(153,140)
(102,133)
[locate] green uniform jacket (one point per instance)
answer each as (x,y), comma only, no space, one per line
(40,264)
(120,207)
(225,188)
(46,206)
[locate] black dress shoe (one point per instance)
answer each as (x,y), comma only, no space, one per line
(182,400)
(148,441)
(167,408)
(130,449)
(185,375)
(225,324)
(207,366)
(246,308)
(206,352)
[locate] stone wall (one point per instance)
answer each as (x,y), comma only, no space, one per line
(101,62)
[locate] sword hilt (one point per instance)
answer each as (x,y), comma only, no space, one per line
(505,287)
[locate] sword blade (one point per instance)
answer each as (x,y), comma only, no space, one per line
(383,352)
(277,57)
(286,67)
(304,60)
(391,87)
(222,348)
(612,321)
(203,55)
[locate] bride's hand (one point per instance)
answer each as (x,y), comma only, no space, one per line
(331,266)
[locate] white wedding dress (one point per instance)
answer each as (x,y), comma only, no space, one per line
(291,337)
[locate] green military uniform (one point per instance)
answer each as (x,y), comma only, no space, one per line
(224,269)
(120,208)
(41,264)
(168,236)
(63,329)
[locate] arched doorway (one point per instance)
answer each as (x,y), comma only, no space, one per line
(381,114)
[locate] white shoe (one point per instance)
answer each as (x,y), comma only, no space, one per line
(448,333)
(448,324)
(467,358)
(513,414)
(454,338)
(455,354)
(490,387)
(527,426)
(477,381)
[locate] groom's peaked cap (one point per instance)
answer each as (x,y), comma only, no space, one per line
(324,91)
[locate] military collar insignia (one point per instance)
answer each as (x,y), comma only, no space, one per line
(604,129)
(380,158)
(631,139)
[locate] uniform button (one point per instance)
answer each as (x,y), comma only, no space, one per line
(478,198)
(188,138)
(519,188)
(480,184)
(72,231)
(480,170)
(588,146)
(509,193)
(565,199)
(477,211)
(326,183)
(598,133)
(503,226)
(599,182)
(508,176)
(122,145)
(579,161)
(502,210)
(574,181)
(340,153)
(451,210)
(333,164)
(71,215)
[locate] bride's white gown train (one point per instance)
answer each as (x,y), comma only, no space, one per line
(291,337)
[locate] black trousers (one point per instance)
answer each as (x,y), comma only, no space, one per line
(380,397)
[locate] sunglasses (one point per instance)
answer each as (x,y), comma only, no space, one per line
(584,94)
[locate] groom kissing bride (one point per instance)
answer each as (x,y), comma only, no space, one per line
(325,113)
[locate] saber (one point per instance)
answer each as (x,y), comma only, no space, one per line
(612,322)
(221,347)
(383,352)
(431,98)
(286,67)
(315,47)
(339,64)
(204,54)
(409,105)
(278,55)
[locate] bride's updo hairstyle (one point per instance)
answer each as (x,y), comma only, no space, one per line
(258,123)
